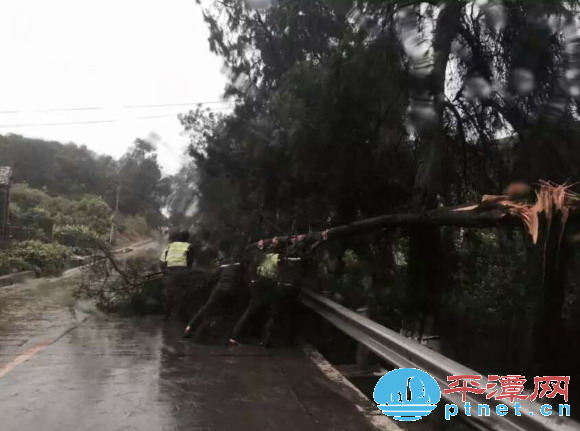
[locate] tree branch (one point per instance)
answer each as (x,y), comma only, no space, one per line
(486,215)
(461,130)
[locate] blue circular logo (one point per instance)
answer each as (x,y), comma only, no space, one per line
(407,394)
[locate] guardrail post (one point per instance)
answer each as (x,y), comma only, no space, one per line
(363,354)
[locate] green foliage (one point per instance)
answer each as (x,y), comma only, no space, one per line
(59,174)
(130,290)
(32,207)
(143,190)
(134,228)
(93,212)
(319,141)
(44,259)
(78,236)
(26,197)
(490,279)
(324,89)
(148,300)
(63,169)
(10,263)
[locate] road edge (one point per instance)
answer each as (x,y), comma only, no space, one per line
(370,411)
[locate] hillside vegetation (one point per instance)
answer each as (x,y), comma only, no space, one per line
(64,195)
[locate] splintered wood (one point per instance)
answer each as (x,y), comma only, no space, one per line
(551,200)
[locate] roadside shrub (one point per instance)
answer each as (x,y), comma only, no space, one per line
(93,211)
(78,236)
(46,259)
(10,264)
(31,207)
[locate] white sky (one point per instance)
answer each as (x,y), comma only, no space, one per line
(107,54)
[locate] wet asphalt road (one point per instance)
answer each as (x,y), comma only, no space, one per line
(64,366)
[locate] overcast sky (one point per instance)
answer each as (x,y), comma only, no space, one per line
(112,55)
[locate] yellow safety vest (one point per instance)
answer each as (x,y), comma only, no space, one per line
(269,267)
(175,254)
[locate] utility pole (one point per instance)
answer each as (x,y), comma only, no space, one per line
(115,214)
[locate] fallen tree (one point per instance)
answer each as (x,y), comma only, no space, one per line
(493,211)
(544,215)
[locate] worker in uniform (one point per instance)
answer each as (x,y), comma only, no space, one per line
(283,314)
(175,262)
(227,287)
(263,291)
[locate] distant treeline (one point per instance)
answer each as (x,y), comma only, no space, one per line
(73,171)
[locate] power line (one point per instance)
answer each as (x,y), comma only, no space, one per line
(101,108)
(171,115)
(176,104)
(91,108)
(56,124)
(69,123)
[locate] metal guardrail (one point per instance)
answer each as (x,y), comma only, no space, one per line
(402,352)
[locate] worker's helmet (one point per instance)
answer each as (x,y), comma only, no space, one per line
(174,235)
(184,236)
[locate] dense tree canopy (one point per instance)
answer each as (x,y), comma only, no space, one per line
(344,106)
(65,169)
(350,109)
(142,188)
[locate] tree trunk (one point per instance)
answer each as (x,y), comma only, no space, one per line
(549,259)
(424,267)
(486,215)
